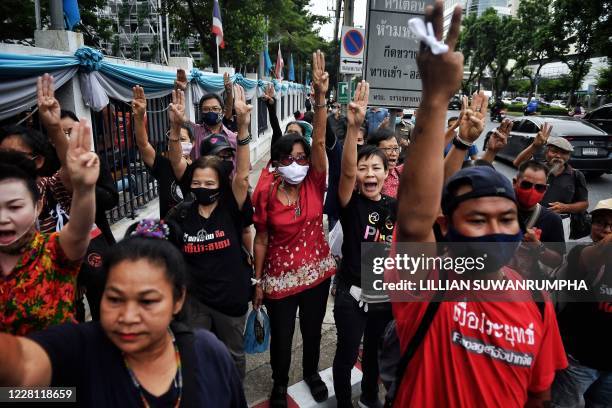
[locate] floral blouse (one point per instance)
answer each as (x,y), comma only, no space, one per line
(39,292)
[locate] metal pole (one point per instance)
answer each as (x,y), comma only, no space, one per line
(56,9)
(37,14)
(349,8)
(218,66)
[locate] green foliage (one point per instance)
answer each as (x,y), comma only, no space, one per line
(542,109)
(604,81)
(478,42)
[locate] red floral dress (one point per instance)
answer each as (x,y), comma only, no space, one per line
(392,181)
(298,256)
(39,291)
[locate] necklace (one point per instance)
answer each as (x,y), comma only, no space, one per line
(298,210)
(178,379)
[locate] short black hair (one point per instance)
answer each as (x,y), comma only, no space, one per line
(380,135)
(210,96)
(533,165)
(68,114)
(189,128)
(367,151)
(309,116)
(210,162)
(451,119)
(284,146)
(16,165)
(37,142)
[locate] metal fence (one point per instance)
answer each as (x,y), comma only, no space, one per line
(262,116)
(115,143)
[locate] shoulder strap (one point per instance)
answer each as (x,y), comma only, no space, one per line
(534,216)
(185,339)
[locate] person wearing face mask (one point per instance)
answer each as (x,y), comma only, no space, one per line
(567,192)
(210,236)
(449,360)
(366,215)
(39,270)
(211,122)
(171,190)
(293,263)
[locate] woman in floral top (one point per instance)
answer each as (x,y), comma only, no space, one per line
(293,264)
(38,271)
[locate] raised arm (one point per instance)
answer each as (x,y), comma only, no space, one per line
(420,191)
(320,81)
(24,363)
(450,132)
(240,183)
(139,107)
(229,97)
(49,112)
(268,96)
(176,113)
(539,141)
(498,140)
(470,129)
(83,168)
(355,115)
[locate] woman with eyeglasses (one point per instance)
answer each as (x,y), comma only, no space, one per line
(293,263)
(385,140)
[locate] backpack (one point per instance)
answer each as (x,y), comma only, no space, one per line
(392,363)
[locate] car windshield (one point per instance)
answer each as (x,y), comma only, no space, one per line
(572,127)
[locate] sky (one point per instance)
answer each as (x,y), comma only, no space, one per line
(326,8)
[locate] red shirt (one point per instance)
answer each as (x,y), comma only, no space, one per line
(298,256)
(392,181)
(479,354)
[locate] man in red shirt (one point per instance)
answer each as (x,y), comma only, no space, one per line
(473,354)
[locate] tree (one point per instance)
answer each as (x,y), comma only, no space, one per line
(507,45)
(18,21)
(478,43)
(585,26)
(604,81)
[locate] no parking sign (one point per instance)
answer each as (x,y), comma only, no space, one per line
(351,50)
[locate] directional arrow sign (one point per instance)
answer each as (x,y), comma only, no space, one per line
(345,61)
(343,93)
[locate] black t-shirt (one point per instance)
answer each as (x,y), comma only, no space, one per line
(219,275)
(549,222)
(568,187)
(170,190)
(364,220)
(82,356)
(586,327)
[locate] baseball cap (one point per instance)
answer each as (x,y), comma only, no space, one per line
(485,182)
(561,143)
(213,144)
(603,205)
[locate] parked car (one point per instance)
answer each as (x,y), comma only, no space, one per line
(558,103)
(454,103)
(592,145)
(601,117)
(520,99)
(507,101)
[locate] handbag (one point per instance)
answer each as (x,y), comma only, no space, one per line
(257,332)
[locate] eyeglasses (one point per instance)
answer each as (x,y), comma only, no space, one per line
(527,185)
(388,150)
(602,224)
(215,109)
(302,160)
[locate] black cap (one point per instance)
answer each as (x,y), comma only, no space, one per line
(213,144)
(485,182)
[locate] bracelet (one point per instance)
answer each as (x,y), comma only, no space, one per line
(460,144)
(245,141)
(255,281)
(323,105)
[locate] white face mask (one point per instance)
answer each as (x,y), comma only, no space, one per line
(186,148)
(294,173)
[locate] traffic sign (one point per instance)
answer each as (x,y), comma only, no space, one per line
(351,50)
(343,93)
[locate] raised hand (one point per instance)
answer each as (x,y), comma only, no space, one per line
(499,138)
(357,108)
(441,74)
(181,80)
(543,135)
(320,77)
(472,119)
(82,164)
(49,110)
(176,111)
(139,102)
(227,83)
(269,94)
(243,111)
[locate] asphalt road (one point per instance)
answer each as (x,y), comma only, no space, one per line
(599,188)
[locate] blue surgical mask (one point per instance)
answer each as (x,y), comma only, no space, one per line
(499,248)
(211,118)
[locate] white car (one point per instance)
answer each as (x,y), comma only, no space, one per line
(558,103)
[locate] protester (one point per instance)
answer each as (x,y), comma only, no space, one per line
(137,355)
(386,141)
(337,122)
(586,326)
(452,125)
(293,264)
(300,127)
(478,204)
(375,117)
(39,270)
(171,191)
(366,215)
(211,235)
(567,191)
(297,115)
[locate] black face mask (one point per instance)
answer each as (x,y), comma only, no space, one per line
(227,167)
(211,118)
(206,196)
